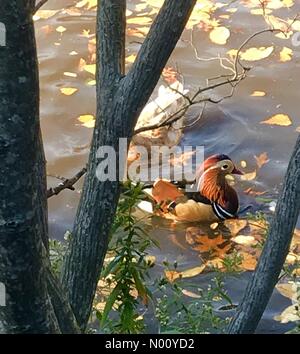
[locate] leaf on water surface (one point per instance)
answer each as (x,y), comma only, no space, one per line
(189,273)
(214,225)
(278,119)
(91,82)
(248,176)
(261,159)
(61,29)
(245,240)
(232,10)
(258,94)
(190,294)
(130,59)
(235,225)
(219,35)
(69,74)
(135,32)
(249,261)
(261,11)
(170,74)
(206,244)
(68,91)
(87,3)
(290,314)
(253,54)
(286,54)
(87,120)
(251,191)
(172,275)
(140,21)
(90,68)
(44,14)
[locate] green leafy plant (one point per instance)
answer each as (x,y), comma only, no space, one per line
(57,251)
(128,269)
(178,313)
(232,262)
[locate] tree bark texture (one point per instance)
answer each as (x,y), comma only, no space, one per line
(119,103)
(261,286)
(22,181)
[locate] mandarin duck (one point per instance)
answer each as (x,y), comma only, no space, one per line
(213,199)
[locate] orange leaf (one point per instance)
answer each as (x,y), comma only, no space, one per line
(262,159)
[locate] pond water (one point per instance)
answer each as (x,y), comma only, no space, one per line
(233,127)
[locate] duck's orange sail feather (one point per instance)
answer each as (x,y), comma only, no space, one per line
(165,192)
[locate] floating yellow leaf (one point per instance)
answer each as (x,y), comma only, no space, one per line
(219,35)
(253,54)
(290,314)
(88,120)
(91,82)
(61,29)
(90,68)
(249,176)
(140,20)
(258,94)
(88,3)
(286,54)
(68,91)
(245,240)
(261,11)
(243,163)
(288,290)
(278,119)
(190,294)
(44,14)
(69,74)
(189,273)
(130,59)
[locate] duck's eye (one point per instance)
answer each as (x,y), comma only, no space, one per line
(224,167)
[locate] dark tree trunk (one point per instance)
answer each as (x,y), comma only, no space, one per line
(119,102)
(260,287)
(23,218)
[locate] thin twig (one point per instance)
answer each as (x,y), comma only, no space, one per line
(67,183)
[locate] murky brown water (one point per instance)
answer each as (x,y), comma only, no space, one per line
(233,127)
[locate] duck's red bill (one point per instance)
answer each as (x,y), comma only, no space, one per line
(237,172)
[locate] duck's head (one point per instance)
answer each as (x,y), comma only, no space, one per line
(219,164)
(212,184)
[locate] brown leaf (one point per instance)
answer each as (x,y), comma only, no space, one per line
(262,159)
(235,225)
(251,191)
(172,275)
(170,75)
(249,261)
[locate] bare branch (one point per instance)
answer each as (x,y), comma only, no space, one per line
(66,183)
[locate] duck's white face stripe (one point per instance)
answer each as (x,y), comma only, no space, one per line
(221,212)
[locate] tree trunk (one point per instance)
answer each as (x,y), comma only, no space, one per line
(261,286)
(23,219)
(119,102)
